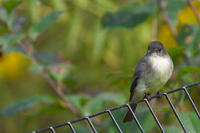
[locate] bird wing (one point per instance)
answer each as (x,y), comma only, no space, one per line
(140,68)
(133,86)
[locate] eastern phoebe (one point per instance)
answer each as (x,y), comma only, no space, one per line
(151,73)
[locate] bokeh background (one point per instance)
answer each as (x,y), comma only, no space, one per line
(63,59)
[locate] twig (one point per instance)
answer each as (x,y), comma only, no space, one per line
(194,10)
(56,87)
(58,91)
(30,51)
(166,18)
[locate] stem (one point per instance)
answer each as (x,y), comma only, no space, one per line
(194,10)
(58,91)
(30,51)
(165,16)
(56,87)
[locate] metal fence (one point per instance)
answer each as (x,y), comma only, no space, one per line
(145,100)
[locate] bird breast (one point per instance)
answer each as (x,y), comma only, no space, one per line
(162,67)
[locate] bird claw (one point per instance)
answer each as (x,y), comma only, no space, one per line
(159,94)
(146,95)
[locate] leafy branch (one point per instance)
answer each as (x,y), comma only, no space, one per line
(165,16)
(26,43)
(57,87)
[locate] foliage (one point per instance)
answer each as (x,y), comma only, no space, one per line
(43,24)
(25,104)
(129,16)
(82,52)
(87,104)
(189,120)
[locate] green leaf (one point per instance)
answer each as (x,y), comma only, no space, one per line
(173,7)
(103,100)
(117,98)
(87,104)
(144,117)
(122,82)
(124,19)
(189,37)
(175,52)
(8,19)
(80,101)
(10,39)
(172,129)
(47,58)
(52,109)
(11,4)
(130,16)
(80,128)
(3,29)
(4,14)
(191,122)
(187,69)
(34,67)
(70,82)
(25,104)
(42,24)
(14,23)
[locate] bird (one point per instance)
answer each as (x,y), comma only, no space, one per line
(151,74)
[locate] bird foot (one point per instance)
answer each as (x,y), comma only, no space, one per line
(146,95)
(159,94)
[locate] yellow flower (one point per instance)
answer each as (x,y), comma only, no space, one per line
(13,65)
(166,37)
(186,16)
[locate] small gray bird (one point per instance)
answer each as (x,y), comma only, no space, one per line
(151,73)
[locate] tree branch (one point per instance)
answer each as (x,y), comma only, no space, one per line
(58,91)
(30,51)
(56,86)
(165,16)
(194,10)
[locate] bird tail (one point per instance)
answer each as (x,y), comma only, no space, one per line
(129,116)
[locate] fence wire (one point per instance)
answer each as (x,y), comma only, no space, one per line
(145,100)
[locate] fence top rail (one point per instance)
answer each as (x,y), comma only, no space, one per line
(117,107)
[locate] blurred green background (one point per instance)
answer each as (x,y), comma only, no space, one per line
(63,59)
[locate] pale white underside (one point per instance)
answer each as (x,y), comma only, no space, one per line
(152,82)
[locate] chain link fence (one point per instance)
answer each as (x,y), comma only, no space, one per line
(144,100)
